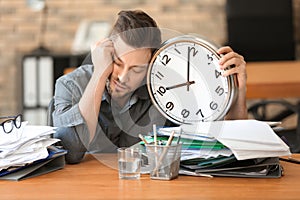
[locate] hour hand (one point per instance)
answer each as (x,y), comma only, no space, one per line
(180,85)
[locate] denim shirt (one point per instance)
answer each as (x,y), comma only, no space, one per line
(116,126)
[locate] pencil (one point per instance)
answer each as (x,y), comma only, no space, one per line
(154,134)
(143,139)
(170,138)
(158,163)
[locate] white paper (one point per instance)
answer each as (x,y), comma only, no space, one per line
(249,139)
(21,159)
(20,136)
(186,133)
(25,145)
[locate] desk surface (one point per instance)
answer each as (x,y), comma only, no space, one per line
(277,79)
(92,179)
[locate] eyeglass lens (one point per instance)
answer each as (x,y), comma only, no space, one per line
(18,121)
(9,124)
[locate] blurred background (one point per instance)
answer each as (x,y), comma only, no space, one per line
(56,34)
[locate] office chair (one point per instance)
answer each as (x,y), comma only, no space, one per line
(49,112)
(286,110)
(264,31)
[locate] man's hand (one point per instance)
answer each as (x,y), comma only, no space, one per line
(102,57)
(232,58)
(239,109)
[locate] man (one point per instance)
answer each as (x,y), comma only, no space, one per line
(104,106)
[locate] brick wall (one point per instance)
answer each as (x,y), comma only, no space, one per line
(19,29)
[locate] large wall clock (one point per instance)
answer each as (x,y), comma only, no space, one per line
(185,81)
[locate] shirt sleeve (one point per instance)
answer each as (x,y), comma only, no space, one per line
(66,112)
(68,92)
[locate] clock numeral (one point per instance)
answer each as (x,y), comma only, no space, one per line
(190,49)
(210,59)
(177,50)
(217,73)
(161,90)
(213,105)
(200,112)
(170,105)
(185,113)
(219,90)
(165,60)
(159,75)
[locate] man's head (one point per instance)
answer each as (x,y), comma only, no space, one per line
(135,36)
(137,29)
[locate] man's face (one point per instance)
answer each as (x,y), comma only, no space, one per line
(129,69)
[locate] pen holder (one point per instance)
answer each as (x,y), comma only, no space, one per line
(164,161)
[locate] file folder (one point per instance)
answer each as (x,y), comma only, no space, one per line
(45,80)
(30,82)
(253,168)
(55,161)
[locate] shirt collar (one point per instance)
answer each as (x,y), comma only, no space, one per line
(140,93)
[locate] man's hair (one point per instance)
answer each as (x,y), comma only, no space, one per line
(137,29)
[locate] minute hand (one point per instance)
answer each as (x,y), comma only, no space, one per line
(180,85)
(188,69)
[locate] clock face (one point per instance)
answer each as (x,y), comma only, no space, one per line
(186,84)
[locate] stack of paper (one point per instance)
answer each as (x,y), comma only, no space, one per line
(247,139)
(238,148)
(196,145)
(25,145)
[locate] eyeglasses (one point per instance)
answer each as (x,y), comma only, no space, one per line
(11,121)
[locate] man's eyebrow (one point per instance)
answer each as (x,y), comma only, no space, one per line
(117,58)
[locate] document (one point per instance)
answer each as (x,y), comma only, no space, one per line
(54,161)
(193,145)
(237,148)
(245,138)
(25,145)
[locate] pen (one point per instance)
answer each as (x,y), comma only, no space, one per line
(179,137)
(290,159)
(194,173)
(155,142)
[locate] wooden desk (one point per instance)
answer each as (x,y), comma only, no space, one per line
(278,79)
(94,180)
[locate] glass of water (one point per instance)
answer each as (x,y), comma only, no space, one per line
(129,161)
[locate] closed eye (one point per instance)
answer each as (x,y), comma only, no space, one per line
(139,68)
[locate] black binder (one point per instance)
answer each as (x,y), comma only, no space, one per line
(252,168)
